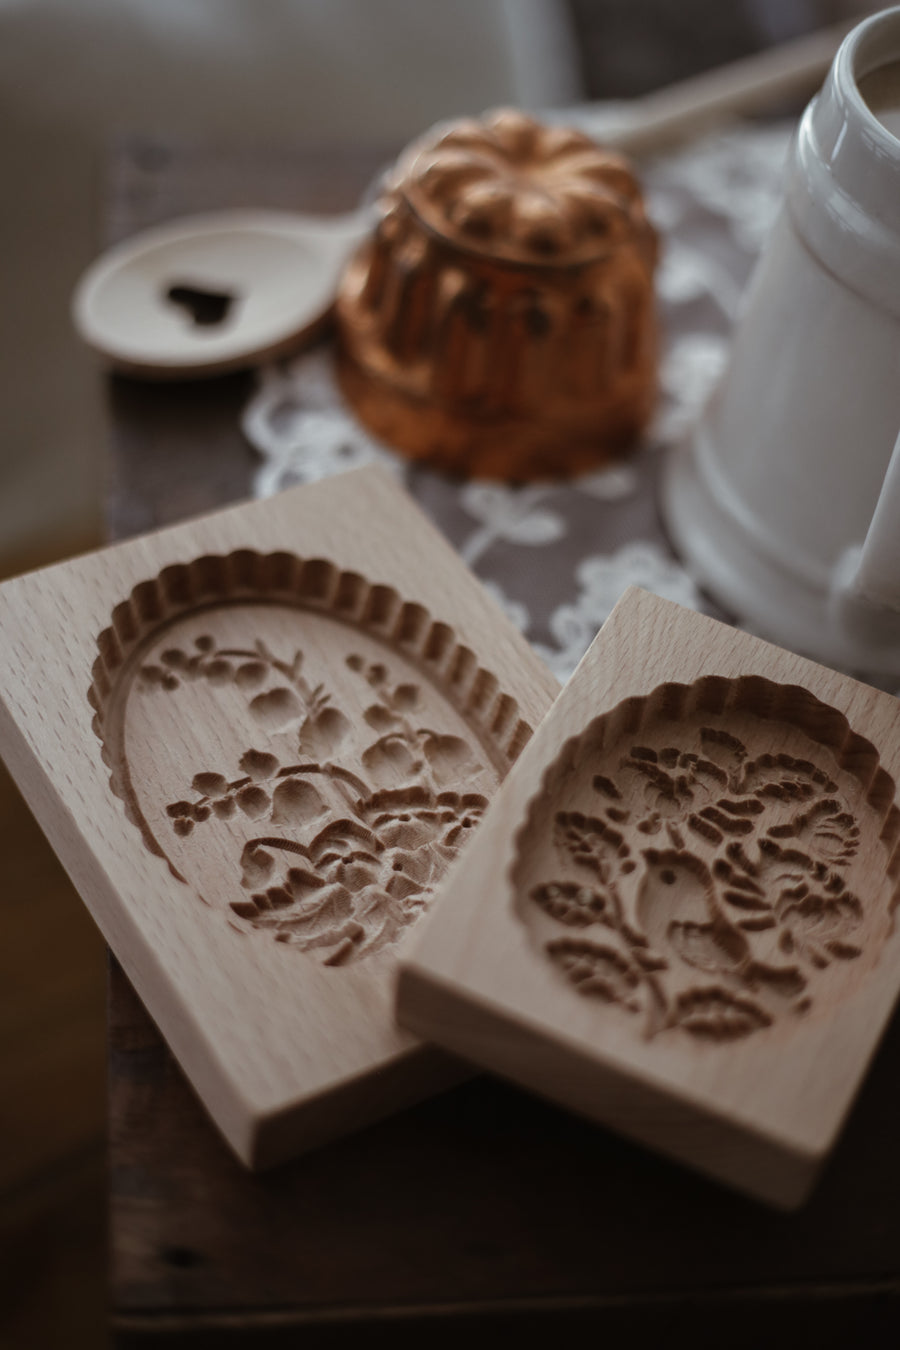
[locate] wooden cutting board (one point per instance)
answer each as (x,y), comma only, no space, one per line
(679,917)
(256,741)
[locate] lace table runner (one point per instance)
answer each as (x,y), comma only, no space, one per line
(558,556)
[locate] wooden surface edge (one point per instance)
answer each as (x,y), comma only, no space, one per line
(399,1081)
(783,1175)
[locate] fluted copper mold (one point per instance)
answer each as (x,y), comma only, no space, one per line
(499,321)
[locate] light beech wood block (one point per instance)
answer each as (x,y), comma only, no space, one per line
(256,741)
(679,916)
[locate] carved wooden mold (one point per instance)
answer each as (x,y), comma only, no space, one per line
(305,750)
(256,741)
(679,916)
(703,883)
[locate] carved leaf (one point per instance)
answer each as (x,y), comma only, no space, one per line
(279,897)
(254,801)
(727,822)
(410,872)
(405,697)
(276,709)
(390,760)
(573,904)
(716,949)
(741,889)
(596,971)
(256,865)
(723,749)
(449,757)
(706,776)
(380,718)
(296,802)
(258,765)
(250,675)
(825,830)
(321,735)
(354,873)
(342,838)
(786,981)
(781,777)
(181,808)
(303,883)
(210,784)
(319,917)
(663,793)
(413,831)
(717,1014)
(816,926)
(219,671)
(413,816)
(606,787)
(843,951)
(740,899)
(592,843)
(381,921)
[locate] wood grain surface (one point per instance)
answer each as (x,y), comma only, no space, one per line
(286,752)
(678,918)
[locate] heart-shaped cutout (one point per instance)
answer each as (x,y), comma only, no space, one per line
(206,309)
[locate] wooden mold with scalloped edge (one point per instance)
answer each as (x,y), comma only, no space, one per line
(679,917)
(257,741)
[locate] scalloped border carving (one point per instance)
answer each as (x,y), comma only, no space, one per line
(315,585)
(692,887)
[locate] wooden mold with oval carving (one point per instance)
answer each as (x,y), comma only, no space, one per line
(680,917)
(257,741)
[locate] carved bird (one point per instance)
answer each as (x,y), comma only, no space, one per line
(676,909)
(678,913)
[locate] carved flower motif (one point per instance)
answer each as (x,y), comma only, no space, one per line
(728,920)
(819,927)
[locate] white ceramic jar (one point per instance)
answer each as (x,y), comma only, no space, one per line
(783,500)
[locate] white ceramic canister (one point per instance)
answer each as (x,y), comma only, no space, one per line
(786,499)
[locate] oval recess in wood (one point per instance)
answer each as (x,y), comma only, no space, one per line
(713,861)
(305,749)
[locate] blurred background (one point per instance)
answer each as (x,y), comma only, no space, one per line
(74,75)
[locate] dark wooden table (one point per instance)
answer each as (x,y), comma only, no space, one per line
(482,1212)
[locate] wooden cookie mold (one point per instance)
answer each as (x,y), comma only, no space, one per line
(355,744)
(702,883)
(258,741)
(694,894)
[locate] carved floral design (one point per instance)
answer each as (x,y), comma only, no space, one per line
(707,890)
(343,861)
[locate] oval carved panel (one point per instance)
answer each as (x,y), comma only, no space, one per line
(713,861)
(306,751)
